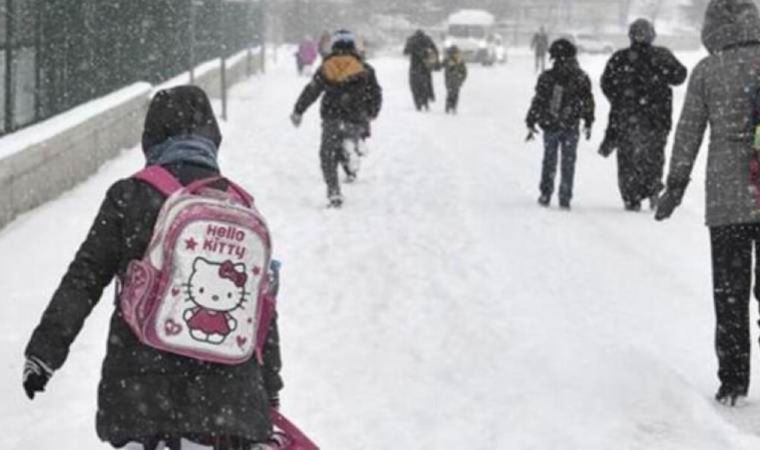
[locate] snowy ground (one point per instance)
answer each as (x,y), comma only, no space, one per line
(441,308)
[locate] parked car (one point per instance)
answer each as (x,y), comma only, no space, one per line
(589,43)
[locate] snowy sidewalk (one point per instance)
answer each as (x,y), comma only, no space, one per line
(441,308)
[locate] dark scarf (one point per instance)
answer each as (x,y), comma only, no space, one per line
(191,149)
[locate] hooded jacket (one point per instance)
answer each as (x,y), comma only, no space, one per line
(144,392)
(563,97)
(720,93)
(638,83)
(350,88)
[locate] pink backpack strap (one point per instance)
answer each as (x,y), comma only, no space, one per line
(299,440)
(159,178)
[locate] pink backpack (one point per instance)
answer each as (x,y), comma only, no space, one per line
(202,288)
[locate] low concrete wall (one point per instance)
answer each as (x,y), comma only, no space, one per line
(39,163)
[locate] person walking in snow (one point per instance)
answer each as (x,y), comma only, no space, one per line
(352,98)
(423,60)
(638,81)
(147,396)
(720,93)
(540,44)
(306,55)
(455,74)
(563,98)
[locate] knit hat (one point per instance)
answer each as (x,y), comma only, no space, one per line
(562,49)
(642,32)
(343,40)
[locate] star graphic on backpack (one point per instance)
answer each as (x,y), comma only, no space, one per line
(191,244)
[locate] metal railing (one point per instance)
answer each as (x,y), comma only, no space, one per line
(57,54)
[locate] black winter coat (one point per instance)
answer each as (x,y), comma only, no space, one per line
(144,392)
(350,88)
(454,72)
(423,53)
(563,97)
(638,83)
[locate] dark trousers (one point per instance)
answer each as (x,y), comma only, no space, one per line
(452,98)
(421,84)
(641,162)
(732,248)
(333,150)
(567,143)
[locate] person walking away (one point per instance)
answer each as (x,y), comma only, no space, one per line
(563,98)
(423,60)
(638,81)
(540,44)
(306,55)
(720,92)
(351,98)
(455,74)
(143,391)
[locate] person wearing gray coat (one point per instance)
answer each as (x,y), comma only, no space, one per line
(721,93)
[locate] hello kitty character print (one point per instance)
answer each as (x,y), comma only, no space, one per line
(202,288)
(215,290)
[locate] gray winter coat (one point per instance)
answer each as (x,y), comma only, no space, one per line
(720,93)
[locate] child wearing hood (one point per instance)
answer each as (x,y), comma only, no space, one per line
(563,98)
(149,399)
(455,74)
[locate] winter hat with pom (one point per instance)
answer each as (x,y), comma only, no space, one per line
(642,32)
(729,23)
(562,49)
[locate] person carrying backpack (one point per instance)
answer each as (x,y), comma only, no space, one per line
(563,98)
(174,396)
(351,99)
(721,93)
(455,73)
(638,81)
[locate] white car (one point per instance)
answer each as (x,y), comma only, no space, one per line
(470,31)
(588,43)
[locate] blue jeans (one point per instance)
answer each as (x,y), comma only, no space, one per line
(567,141)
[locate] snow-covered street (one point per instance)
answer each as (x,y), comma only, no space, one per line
(441,307)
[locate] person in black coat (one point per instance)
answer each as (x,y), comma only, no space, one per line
(563,98)
(423,59)
(145,395)
(352,99)
(638,83)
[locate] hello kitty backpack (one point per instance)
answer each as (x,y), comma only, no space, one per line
(202,288)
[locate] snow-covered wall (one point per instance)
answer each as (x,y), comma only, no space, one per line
(38,163)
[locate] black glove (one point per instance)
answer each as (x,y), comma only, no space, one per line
(532,132)
(669,201)
(296,119)
(587,132)
(36,376)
